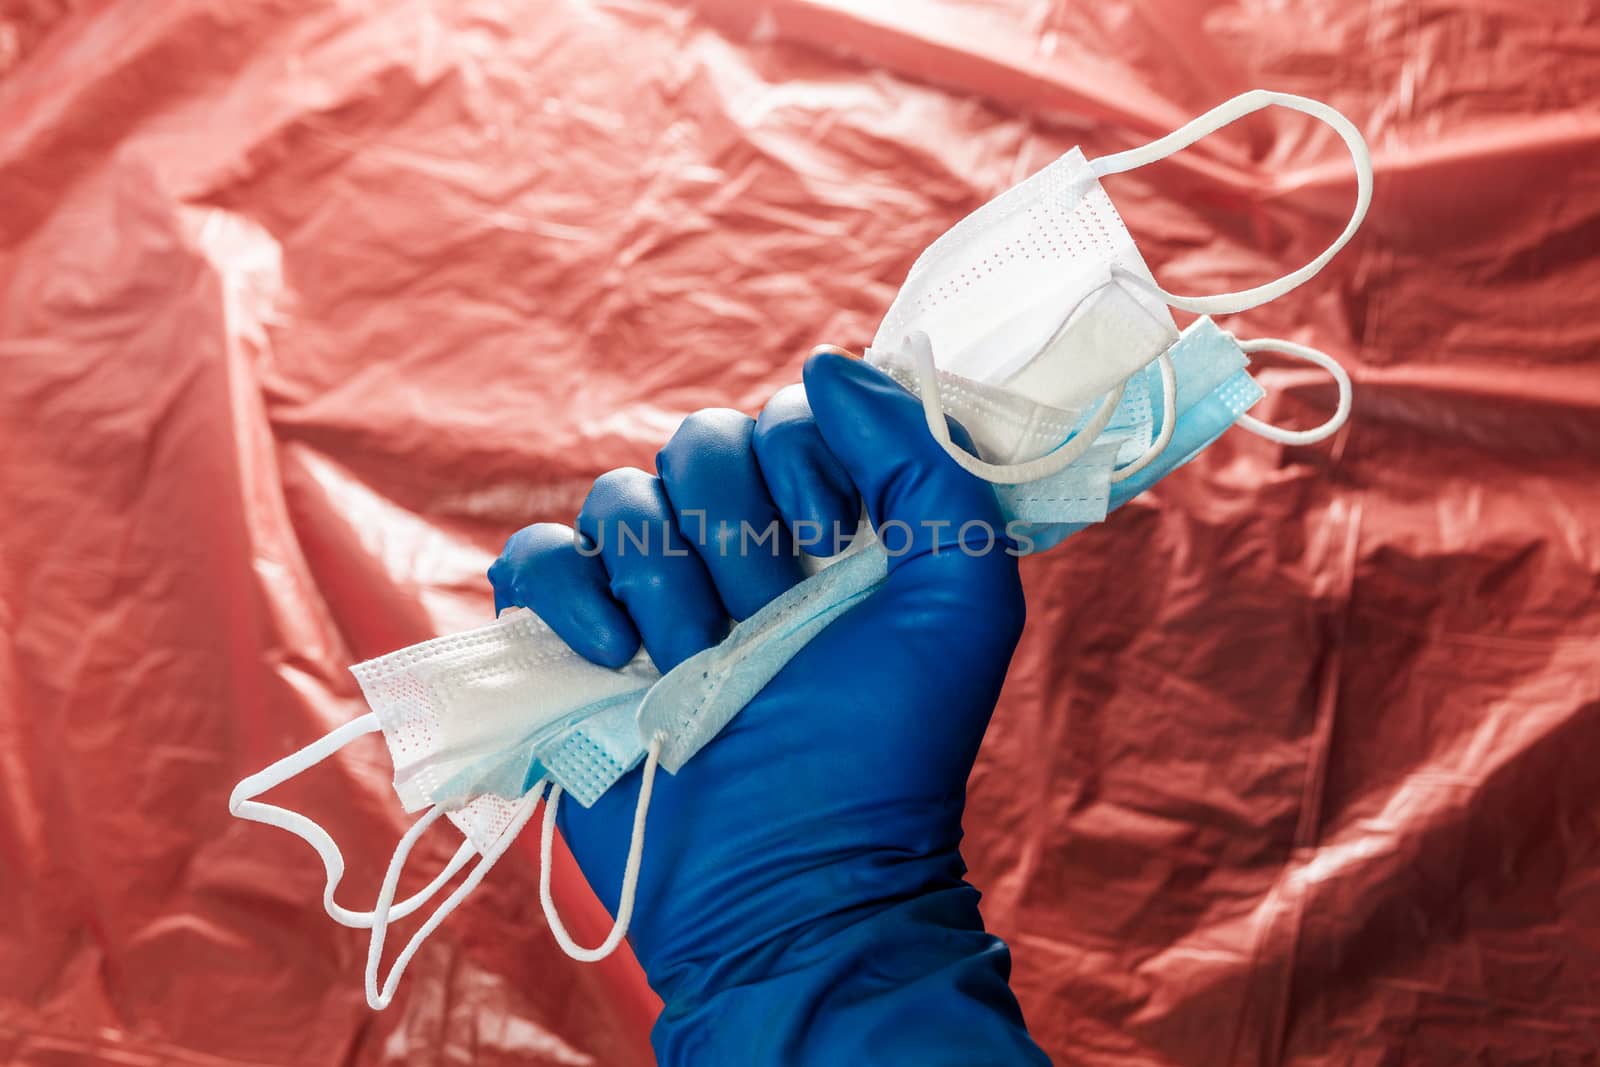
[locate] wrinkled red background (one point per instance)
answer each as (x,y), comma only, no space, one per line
(307,305)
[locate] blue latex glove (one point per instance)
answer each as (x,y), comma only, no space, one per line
(801,899)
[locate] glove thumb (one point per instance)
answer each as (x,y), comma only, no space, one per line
(949,616)
(920,501)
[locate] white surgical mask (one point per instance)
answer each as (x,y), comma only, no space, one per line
(465,714)
(1035,322)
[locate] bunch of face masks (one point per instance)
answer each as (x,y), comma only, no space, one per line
(1035,323)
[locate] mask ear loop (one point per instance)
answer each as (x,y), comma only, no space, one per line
(378,1000)
(630,872)
(1311,355)
(1210,122)
(242,804)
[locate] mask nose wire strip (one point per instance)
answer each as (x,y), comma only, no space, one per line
(630,873)
(242,804)
(378,1000)
(1311,355)
(1208,123)
(1169,416)
(921,348)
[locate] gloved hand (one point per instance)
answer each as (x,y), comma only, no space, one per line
(801,897)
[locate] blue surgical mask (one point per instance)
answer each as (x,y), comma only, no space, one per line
(1213,392)
(589,758)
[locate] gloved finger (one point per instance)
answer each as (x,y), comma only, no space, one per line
(806,481)
(651,568)
(922,504)
(715,490)
(543,568)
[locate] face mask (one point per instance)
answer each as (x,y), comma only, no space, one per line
(464,715)
(1089,316)
(476,723)
(1213,391)
(590,757)
(1036,323)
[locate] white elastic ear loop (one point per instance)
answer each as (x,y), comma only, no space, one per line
(378,1000)
(1310,355)
(243,805)
(921,347)
(1169,416)
(630,872)
(1210,122)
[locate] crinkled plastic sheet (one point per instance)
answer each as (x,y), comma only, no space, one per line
(306,306)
